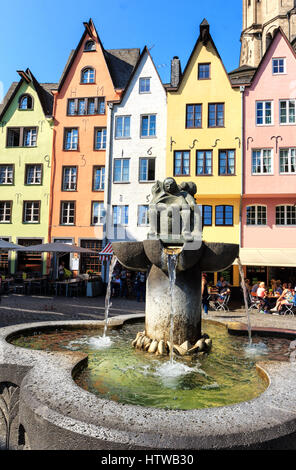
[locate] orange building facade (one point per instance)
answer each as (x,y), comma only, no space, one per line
(92,77)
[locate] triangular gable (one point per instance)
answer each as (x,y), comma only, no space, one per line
(204,38)
(88,31)
(28,77)
(262,61)
(142,55)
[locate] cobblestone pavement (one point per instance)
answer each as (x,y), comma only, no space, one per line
(16,309)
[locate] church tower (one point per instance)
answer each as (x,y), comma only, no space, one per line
(261,18)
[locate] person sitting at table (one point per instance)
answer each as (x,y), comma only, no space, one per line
(279,289)
(248,285)
(262,296)
(224,291)
(254,290)
(284,299)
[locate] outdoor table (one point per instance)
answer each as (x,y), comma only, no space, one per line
(66,283)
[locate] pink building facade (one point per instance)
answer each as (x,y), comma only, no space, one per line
(269,181)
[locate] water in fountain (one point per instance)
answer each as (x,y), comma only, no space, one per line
(172,264)
(243,284)
(102,342)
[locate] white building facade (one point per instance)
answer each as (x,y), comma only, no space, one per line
(136,152)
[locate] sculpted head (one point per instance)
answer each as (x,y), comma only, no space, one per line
(170,186)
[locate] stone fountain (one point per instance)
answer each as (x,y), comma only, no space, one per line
(175,229)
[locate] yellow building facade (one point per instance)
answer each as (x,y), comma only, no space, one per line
(204,139)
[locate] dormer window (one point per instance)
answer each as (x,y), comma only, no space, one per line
(89,46)
(88,75)
(25,102)
(278,66)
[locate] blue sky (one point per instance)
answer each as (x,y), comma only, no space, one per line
(40,34)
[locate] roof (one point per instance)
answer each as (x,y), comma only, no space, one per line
(43,91)
(242,75)
(120,62)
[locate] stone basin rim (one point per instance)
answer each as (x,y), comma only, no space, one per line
(267,417)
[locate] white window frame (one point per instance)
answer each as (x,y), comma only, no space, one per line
(256,206)
(287,123)
(121,160)
(264,113)
(32,132)
(285,65)
(261,162)
(145,79)
(31,212)
(7,212)
(122,134)
(65,207)
(285,215)
(102,177)
(74,138)
(101,213)
(8,174)
(149,135)
(121,211)
(290,156)
(146,216)
(37,174)
(72,178)
(146,180)
(103,138)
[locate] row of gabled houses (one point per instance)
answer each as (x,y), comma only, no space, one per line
(78,158)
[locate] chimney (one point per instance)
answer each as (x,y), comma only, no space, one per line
(175,71)
(204,31)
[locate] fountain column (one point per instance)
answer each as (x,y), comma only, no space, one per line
(186,305)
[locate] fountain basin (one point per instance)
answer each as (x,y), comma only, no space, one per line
(54,413)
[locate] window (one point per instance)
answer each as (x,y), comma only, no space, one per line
(256,215)
(216,115)
(226,162)
(262,162)
(224,215)
(288,160)
(22,137)
(100,138)
(5,212)
(287,112)
(33,174)
(69,178)
(264,113)
(193,116)
(98,178)
(120,215)
(147,169)
(143,217)
(97,213)
(6,174)
(206,213)
(121,170)
(204,71)
(31,212)
(89,46)
(148,125)
(122,126)
(71,139)
(144,85)
(285,215)
(91,261)
(204,162)
(88,75)
(278,66)
(181,163)
(67,213)
(25,102)
(30,136)
(86,106)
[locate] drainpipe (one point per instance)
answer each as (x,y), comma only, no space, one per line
(108,180)
(242,91)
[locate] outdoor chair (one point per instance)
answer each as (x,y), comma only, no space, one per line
(254,303)
(289,309)
(222,304)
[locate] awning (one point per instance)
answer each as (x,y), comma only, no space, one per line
(278,257)
(60,248)
(5,246)
(106,252)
